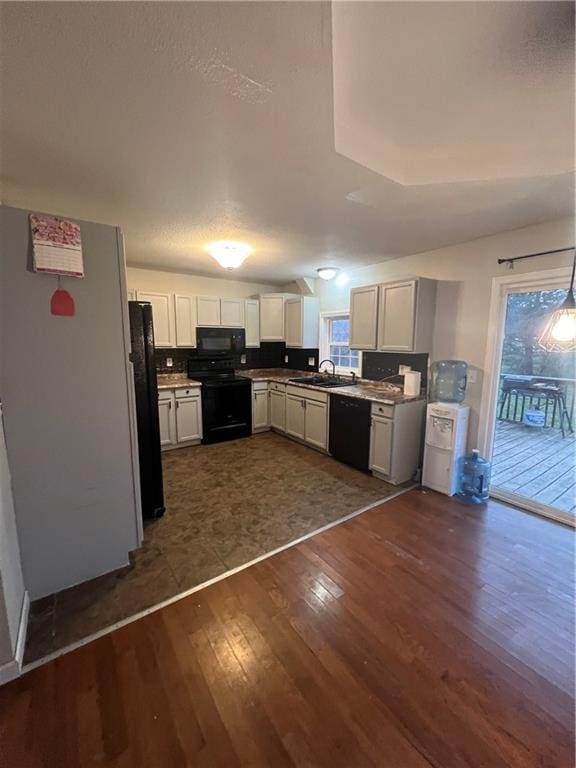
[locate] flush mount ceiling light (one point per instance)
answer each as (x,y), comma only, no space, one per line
(327,273)
(229,253)
(560,332)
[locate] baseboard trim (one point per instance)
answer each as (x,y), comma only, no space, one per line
(13,668)
(198,587)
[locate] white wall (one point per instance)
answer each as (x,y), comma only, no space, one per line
(174,282)
(466,271)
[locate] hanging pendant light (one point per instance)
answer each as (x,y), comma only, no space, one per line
(560,332)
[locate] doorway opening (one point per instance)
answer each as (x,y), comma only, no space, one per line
(531,437)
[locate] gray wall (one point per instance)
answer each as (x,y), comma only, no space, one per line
(64,388)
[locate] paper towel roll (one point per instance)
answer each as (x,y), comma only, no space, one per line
(412,383)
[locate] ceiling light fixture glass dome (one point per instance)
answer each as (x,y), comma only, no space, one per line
(327,273)
(229,253)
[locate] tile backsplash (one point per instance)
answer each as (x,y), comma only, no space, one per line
(179,358)
(298,359)
(270,354)
(381,365)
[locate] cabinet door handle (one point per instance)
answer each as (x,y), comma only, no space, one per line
(177,404)
(169,405)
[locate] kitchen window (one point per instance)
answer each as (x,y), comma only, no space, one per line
(335,344)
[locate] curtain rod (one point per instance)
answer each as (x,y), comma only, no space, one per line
(531,255)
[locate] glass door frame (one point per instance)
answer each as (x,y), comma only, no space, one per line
(502,287)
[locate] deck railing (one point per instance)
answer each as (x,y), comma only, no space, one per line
(518,394)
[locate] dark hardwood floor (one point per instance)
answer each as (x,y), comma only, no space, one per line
(421,633)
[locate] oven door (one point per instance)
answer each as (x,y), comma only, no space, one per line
(226,410)
(220,342)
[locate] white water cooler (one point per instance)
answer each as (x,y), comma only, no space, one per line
(445,444)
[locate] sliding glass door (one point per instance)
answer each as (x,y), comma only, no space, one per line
(532,403)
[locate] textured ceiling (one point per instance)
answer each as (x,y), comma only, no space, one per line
(434,93)
(192,122)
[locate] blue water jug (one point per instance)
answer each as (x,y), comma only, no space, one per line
(448,381)
(474,478)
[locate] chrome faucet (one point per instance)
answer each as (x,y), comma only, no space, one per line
(331,363)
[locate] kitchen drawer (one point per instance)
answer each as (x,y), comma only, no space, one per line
(276,387)
(165,394)
(305,392)
(189,392)
(387,411)
(257,386)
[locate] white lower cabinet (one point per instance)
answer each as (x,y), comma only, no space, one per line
(396,438)
(381,445)
(188,419)
(260,407)
(278,407)
(180,415)
(295,416)
(316,431)
(307,416)
(167,417)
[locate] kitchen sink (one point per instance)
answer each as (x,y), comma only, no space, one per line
(322,381)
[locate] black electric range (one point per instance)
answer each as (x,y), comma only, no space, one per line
(226,399)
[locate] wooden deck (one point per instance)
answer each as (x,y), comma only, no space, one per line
(536,463)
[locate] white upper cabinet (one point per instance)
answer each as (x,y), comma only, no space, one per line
(397,317)
(293,322)
(208,311)
(185,314)
(406,315)
(131,293)
(162,315)
(272,317)
(301,322)
(252,320)
(364,317)
(393,317)
(232,313)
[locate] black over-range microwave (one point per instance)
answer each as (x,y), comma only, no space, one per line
(220,342)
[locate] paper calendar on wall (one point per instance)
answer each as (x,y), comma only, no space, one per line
(57,246)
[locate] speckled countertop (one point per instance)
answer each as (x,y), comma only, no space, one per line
(365,389)
(176,381)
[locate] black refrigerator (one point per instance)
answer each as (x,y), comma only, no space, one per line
(147,419)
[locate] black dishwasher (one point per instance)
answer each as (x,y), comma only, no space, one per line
(350,430)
